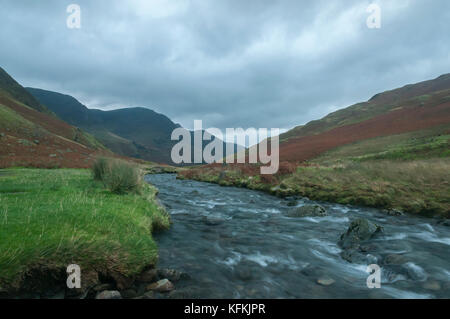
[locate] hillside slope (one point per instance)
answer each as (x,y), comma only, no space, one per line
(411,108)
(31,135)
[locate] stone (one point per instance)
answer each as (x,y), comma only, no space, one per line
(102,287)
(432,285)
(292,203)
(393,212)
(109,294)
(308,211)
(213,220)
(244,274)
(394,259)
(163,285)
(172,274)
(25,142)
(360,230)
(129,293)
(414,271)
(325,281)
(149,275)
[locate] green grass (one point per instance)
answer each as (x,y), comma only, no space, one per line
(11,120)
(418,187)
(422,144)
(58,217)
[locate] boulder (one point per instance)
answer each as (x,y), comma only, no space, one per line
(172,274)
(109,294)
(163,285)
(308,211)
(360,230)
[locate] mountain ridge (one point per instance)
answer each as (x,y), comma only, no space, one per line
(132,131)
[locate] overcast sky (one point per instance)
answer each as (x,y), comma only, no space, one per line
(252,63)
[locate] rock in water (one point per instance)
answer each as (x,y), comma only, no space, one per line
(395,259)
(360,230)
(149,275)
(213,220)
(292,203)
(163,285)
(172,274)
(109,294)
(308,211)
(325,281)
(432,285)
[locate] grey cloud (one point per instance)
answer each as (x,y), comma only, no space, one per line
(256,63)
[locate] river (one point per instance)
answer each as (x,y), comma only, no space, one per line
(238,243)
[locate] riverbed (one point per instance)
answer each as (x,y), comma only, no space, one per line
(239,243)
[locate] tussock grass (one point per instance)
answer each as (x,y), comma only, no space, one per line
(119,176)
(58,217)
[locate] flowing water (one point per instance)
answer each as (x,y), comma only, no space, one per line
(238,243)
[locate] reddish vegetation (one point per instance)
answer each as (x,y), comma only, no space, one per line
(398,121)
(48,122)
(411,115)
(51,143)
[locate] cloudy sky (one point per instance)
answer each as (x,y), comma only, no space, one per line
(253,63)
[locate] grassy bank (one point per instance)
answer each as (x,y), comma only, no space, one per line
(58,217)
(418,187)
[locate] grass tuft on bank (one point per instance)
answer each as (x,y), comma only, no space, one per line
(63,216)
(119,176)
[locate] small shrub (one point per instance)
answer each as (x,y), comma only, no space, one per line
(122,177)
(100,168)
(118,176)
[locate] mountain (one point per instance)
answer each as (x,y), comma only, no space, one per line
(136,132)
(32,135)
(11,89)
(414,107)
